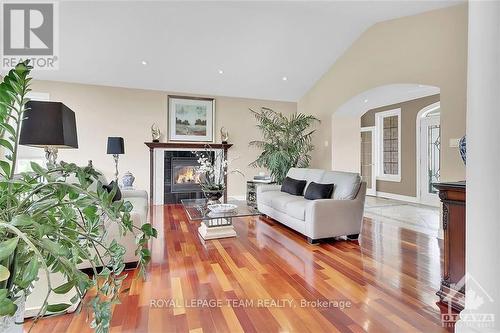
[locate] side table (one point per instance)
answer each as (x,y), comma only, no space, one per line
(252,192)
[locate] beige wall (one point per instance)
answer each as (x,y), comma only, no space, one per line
(409,111)
(107,111)
(429,48)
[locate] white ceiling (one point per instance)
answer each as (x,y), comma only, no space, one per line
(185,44)
(384,95)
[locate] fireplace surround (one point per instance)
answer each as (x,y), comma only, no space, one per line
(160,163)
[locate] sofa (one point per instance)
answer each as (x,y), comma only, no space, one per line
(139,216)
(321,219)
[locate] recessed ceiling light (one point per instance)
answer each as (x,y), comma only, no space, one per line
(366,101)
(284,78)
(144,62)
(220,71)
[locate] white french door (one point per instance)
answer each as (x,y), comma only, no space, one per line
(368,158)
(430,147)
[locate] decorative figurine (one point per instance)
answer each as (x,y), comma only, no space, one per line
(224,135)
(155,132)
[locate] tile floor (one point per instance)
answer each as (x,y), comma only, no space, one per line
(421,218)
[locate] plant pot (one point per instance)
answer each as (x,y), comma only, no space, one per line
(14,324)
(213,196)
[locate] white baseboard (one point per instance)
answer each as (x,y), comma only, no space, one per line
(399,197)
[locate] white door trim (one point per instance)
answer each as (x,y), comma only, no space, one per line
(373,190)
(420,115)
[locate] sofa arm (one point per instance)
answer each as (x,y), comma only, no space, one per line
(134,194)
(331,218)
(267,187)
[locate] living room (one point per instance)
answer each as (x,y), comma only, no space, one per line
(240,166)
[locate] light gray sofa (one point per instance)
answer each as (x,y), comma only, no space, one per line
(341,215)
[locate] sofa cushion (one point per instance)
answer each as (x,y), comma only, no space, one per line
(309,175)
(110,187)
(316,191)
(268,196)
(293,186)
(346,184)
(297,208)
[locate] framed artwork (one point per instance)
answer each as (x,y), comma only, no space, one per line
(191,119)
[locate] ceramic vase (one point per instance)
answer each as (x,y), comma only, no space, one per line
(128,180)
(462,146)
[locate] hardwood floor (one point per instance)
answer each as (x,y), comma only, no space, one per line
(390,278)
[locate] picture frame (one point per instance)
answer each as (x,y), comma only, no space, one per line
(191,119)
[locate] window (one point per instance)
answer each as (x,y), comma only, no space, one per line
(388,124)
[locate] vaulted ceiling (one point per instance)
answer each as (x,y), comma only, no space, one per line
(269,50)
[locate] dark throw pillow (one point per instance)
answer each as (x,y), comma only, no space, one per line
(293,186)
(109,188)
(318,191)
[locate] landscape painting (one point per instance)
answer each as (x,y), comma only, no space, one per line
(191,119)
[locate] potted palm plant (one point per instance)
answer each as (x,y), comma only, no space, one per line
(51,220)
(286,141)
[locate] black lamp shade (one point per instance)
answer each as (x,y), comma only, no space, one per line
(49,124)
(115,145)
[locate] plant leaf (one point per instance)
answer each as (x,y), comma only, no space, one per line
(64,288)
(30,272)
(4,273)
(57,307)
(7,307)
(21,220)
(8,128)
(54,248)
(7,247)
(5,168)
(6,144)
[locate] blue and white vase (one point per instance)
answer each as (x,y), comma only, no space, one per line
(462,146)
(128,179)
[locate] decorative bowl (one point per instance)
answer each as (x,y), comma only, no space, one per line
(222,208)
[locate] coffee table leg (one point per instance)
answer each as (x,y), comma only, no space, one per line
(217,228)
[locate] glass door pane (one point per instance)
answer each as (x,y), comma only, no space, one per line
(433,149)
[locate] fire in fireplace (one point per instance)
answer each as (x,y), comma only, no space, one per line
(184,174)
(187,175)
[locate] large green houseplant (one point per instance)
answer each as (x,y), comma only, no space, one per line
(52,219)
(286,141)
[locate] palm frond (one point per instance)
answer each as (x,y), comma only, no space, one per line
(286,141)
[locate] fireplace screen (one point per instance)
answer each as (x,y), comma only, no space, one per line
(184,175)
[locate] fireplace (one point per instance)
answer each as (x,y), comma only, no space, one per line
(180,180)
(185,177)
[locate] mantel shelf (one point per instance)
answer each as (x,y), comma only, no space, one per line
(190,145)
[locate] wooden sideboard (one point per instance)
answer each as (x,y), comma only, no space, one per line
(452,196)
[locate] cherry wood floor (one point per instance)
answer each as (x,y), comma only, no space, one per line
(390,277)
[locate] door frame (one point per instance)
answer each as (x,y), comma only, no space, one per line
(373,190)
(421,114)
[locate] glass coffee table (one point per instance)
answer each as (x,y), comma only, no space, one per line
(216,225)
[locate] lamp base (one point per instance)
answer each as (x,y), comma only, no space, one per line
(116,157)
(51,156)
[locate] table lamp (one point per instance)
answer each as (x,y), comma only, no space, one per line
(48,125)
(116,147)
